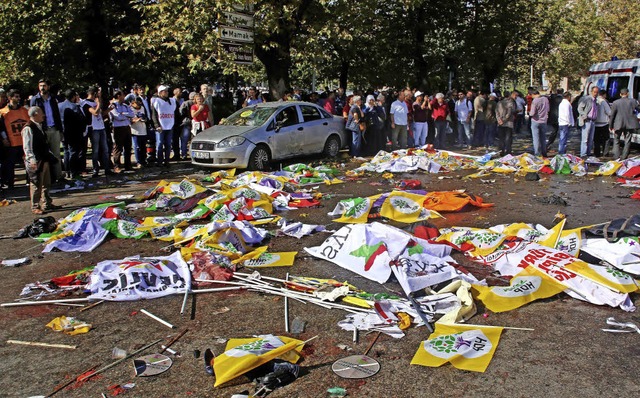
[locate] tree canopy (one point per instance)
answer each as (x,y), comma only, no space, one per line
(363,44)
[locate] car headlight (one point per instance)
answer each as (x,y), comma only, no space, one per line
(231,141)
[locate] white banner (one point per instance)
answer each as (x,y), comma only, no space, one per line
(135,278)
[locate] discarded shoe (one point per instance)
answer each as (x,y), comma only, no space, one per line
(208,361)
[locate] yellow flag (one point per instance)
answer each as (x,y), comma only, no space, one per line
(570,241)
(406,207)
(356,210)
(551,238)
(281,259)
(242,355)
(605,276)
(467,347)
(475,241)
(527,286)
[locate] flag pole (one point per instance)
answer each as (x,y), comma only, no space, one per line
(286,309)
(420,313)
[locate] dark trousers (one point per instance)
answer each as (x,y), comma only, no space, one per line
(553,134)
(72,158)
(122,144)
(505,140)
(600,138)
(479,133)
(175,141)
(10,156)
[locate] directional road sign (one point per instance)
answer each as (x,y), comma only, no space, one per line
(238,20)
(235,35)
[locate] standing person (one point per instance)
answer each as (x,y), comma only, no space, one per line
(374,116)
(386,129)
(565,122)
(408,100)
(505,116)
(552,122)
(164,118)
(253,98)
(490,121)
(479,104)
(52,125)
(92,109)
(186,124)
(623,122)
(522,106)
(138,93)
(601,133)
(439,112)
(13,118)
(463,111)
(587,115)
(539,114)
(206,92)
(121,116)
(354,119)
(420,114)
(177,128)
(330,103)
(139,132)
(199,114)
(399,119)
(340,101)
(37,160)
(74,126)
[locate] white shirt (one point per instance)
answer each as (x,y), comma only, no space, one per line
(463,109)
(97,123)
(166,112)
(565,113)
(520,104)
(399,111)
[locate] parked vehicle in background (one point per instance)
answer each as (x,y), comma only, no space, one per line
(613,76)
(254,136)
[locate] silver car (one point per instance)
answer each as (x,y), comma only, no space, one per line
(254,136)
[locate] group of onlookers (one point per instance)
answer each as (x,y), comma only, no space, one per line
(115,125)
(475,118)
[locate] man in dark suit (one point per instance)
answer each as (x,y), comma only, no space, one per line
(52,125)
(623,122)
(74,126)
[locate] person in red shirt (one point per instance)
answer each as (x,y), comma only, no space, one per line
(200,113)
(330,103)
(439,113)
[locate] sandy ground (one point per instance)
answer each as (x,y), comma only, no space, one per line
(567,354)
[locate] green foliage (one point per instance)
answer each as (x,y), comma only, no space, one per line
(367,43)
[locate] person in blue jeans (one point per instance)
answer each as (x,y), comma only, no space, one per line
(565,122)
(164,118)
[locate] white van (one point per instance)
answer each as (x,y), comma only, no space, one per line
(613,76)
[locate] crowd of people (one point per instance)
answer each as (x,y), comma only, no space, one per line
(476,118)
(155,128)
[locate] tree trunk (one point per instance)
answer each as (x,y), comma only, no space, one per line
(277,64)
(422,68)
(344,73)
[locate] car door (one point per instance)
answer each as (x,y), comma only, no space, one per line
(284,131)
(316,127)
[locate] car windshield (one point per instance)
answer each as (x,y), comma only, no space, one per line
(250,116)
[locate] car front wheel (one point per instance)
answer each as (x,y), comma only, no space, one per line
(332,147)
(260,158)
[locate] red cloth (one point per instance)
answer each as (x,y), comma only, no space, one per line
(633,172)
(202,116)
(329,105)
(439,112)
(636,195)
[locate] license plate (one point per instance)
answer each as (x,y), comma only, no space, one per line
(200,155)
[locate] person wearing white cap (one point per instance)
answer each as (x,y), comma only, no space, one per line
(421,126)
(164,118)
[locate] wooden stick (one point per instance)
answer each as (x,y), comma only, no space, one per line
(173,340)
(112,364)
(512,328)
(372,343)
(39,344)
(92,305)
(162,321)
(75,379)
(45,302)
(70,305)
